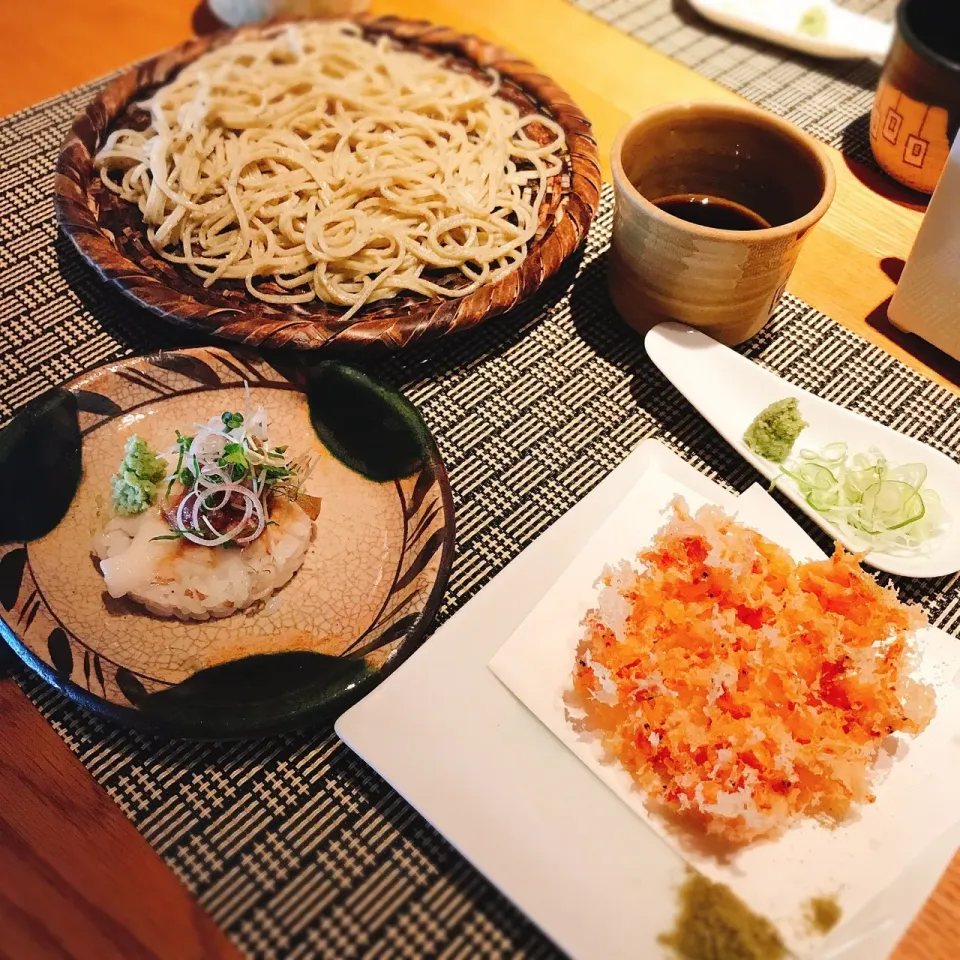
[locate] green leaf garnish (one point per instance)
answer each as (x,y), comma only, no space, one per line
(178,534)
(235,459)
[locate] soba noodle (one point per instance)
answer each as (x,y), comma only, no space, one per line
(340,169)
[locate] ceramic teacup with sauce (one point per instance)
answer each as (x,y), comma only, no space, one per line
(713,202)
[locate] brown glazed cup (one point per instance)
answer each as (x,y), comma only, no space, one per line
(725,282)
(916,112)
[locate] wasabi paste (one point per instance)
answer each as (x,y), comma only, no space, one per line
(775,430)
(813,23)
(135,483)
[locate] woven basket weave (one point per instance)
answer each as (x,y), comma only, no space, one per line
(110,233)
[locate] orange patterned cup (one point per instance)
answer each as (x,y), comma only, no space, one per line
(916,112)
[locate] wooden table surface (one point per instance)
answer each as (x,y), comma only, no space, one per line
(76,879)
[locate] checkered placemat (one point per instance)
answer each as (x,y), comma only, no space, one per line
(830,99)
(293,845)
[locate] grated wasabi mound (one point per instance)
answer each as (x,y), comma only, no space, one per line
(814,22)
(775,430)
(135,483)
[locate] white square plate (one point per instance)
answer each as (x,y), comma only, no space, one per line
(450,738)
(916,794)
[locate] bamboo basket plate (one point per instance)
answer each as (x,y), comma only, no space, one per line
(110,234)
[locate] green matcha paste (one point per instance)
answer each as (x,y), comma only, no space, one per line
(775,430)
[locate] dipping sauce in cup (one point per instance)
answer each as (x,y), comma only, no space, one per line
(713,202)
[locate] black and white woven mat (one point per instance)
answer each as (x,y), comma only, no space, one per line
(294,846)
(829,99)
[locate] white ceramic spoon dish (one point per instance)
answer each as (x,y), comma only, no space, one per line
(729,391)
(846,35)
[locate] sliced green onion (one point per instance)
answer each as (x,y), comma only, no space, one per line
(915,474)
(857,482)
(176,535)
(823,500)
(835,453)
(887,507)
(817,476)
(831,453)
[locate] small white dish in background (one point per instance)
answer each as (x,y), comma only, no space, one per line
(843,34)
(729,391)
(235,13)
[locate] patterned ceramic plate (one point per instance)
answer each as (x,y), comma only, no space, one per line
(372,579)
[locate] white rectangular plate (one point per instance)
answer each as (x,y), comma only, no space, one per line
(915,795)
(449,737)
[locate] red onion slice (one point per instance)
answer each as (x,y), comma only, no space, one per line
(251,507)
